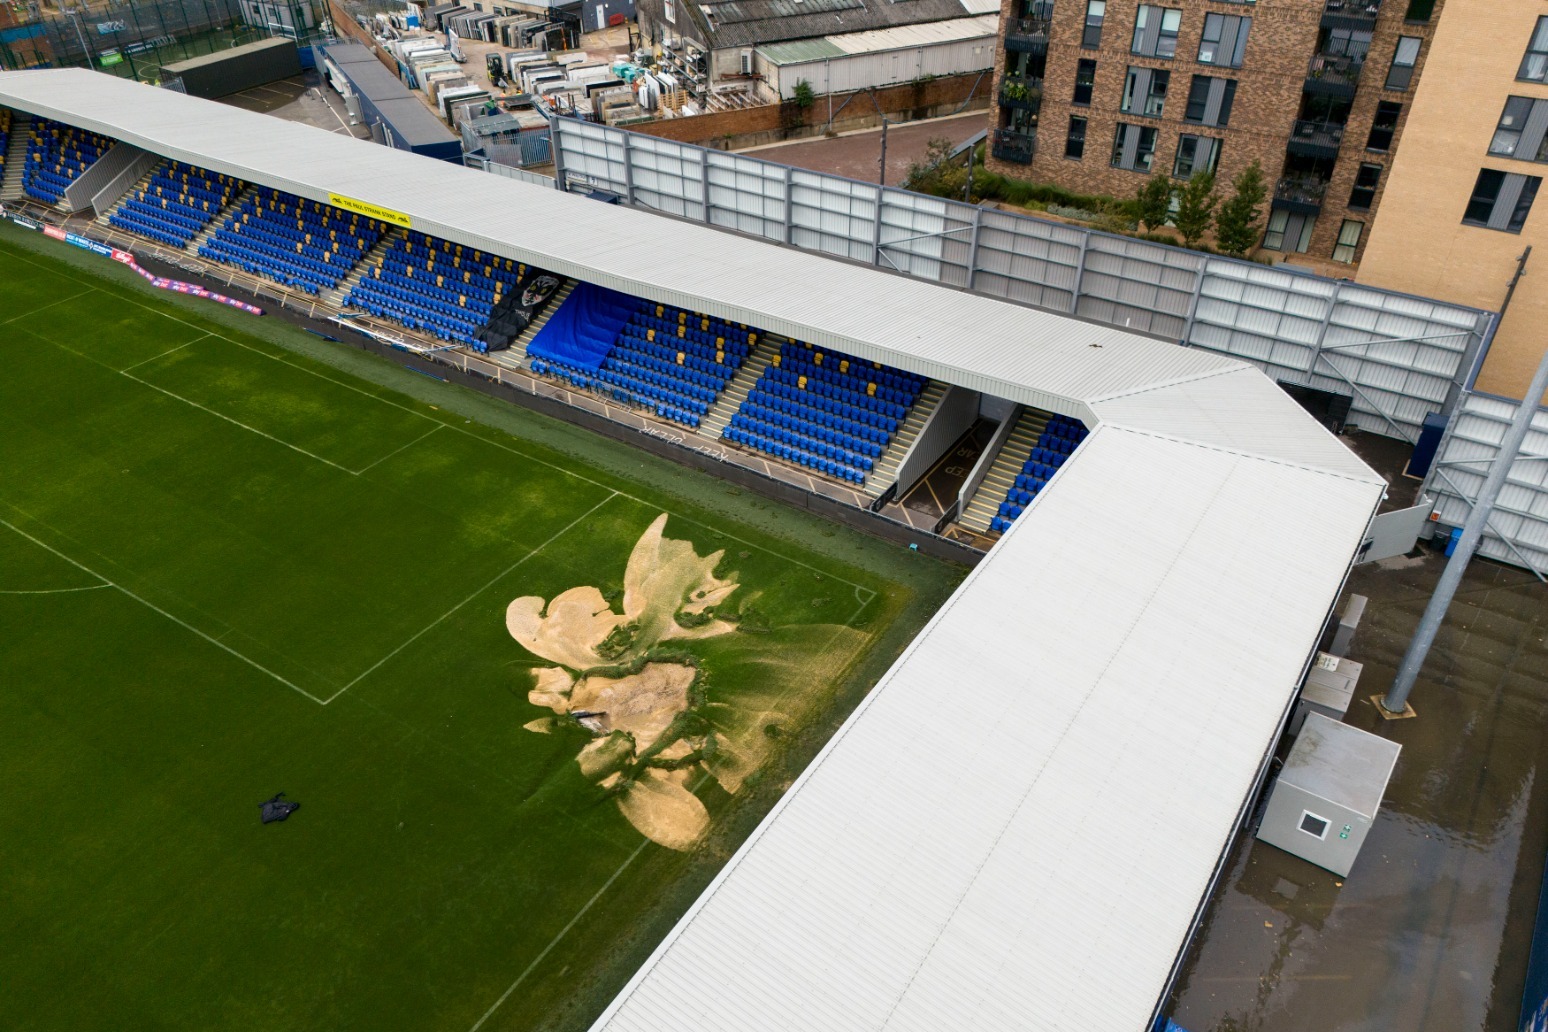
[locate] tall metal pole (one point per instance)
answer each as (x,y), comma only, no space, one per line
(967,190)
(1395,702)
(884,152)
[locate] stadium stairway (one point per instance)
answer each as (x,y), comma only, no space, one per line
(335,297)
(739,386)
(141,184)
(15,157)
(192,250)
(517,352)
(985,503)
(886,472)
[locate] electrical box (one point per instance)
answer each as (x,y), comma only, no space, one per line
(1329,689)
(1326,797)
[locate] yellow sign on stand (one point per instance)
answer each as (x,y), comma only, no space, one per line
(375,211)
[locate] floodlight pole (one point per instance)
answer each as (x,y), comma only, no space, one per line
(1395,703)
(883,180)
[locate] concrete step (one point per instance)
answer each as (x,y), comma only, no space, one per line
(15,156)
(736,391)
(518,349)
(985,503)
(885,472)
(335,297)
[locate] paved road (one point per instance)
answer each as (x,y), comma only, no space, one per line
(857,155)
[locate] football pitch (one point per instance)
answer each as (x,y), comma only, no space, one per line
(531,688)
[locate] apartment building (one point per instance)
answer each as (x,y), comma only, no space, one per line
(1097,95)
(1463,202)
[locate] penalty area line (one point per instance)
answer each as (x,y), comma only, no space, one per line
(106,582)
(432,625)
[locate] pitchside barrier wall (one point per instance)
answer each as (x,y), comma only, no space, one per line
(1397,357)
(1518,528)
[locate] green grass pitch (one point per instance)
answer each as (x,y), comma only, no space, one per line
(237,560)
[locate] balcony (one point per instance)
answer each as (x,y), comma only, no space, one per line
(1300,193)
(1013,146)
(1316,139)
(1021,91)
(1334,75)
(1350,14)
(1026,35)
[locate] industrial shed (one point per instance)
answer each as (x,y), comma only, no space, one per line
(397,118)
(881,57)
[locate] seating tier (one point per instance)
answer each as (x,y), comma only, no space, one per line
(1059,439)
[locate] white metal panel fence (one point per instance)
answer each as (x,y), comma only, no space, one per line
(1518,528)
(1397,357)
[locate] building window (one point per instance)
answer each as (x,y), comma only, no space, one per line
(1288,231)
(1144,92)
(1209,101)
(1085,80)
(1501,200)
(1419,11)
(1225,40)
(1133,147)
(669,9)
(1403,60)
(1348,240)
(1075,142)
(1534,66)
(1383,126)
(1523,130)
(1155,31)
(1364,193)
(1096,10)
(1195,154)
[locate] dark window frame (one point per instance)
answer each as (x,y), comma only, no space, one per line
(1091,31)
(1074,141)
(1223,57)
(1353,246)
(1085,80)
(1522,131)
(1379,127)
(1534,63)
(1362,196)
(1166,43)
(1488,189)
(1216,145)
(1144,133)
(1401,76)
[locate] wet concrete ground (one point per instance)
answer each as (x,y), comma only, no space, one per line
(1431,930)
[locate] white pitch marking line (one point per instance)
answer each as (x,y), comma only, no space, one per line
(152,606)
(164,354)
(492,581)
(51,304)
(58,591)
(400,448)
(405,408)
(238,422)
(562,933)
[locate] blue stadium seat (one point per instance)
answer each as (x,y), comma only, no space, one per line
(177,203)
(1059,439)
(435,286)
(300,243)
(56,156)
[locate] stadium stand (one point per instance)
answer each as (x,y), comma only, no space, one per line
(440,288)
(56,155)
(176,204)
(659,356)
(300,243)
(827,411)
(1059,440)
(5,136)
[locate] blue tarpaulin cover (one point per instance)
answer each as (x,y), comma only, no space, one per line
(582,331)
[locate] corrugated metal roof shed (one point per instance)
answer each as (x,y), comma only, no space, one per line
(1021,840)
(746,23)
(220,57)
(1032,356)
(880,40)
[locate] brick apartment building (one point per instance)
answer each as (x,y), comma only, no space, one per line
(1464,200)
(1097,95)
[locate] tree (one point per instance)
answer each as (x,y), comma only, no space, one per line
(1236,225)
(804,95)
(1153,201)
(1195,207)
(933,175)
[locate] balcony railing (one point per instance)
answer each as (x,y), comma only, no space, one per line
(1021,91)
(1301,192)
(1026,35)
(1013,146)
(1317,139)
(1361,10)
(1334,73)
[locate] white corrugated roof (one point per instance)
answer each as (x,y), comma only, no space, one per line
(982,7)
(1032,356)
(1019,840)
(920,35)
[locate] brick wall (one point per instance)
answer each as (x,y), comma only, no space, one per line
(750,126)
